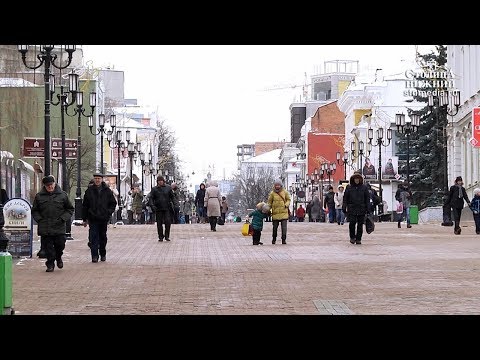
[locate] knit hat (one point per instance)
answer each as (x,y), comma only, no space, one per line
(260,205)
(459,178)
(48,179)
(476,191)
(265,208)
(278,182)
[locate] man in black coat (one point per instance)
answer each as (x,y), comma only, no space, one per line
(355,205)
(97,207)
(456,196)
(51,210)
(200,203)
(161,200)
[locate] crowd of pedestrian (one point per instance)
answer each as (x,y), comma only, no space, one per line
(354,204)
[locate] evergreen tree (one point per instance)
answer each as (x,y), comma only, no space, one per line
(428,146)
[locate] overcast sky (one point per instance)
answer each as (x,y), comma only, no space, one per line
(213,96)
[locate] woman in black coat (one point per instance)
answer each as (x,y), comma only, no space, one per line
(355,205)
(456,196)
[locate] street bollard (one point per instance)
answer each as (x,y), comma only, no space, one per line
(6,283)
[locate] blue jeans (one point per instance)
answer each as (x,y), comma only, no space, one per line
(340,216)
(406,213)
(331,214)
(98,238)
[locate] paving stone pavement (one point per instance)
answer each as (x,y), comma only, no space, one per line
(422,270)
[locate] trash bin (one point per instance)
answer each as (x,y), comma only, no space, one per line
(413,214)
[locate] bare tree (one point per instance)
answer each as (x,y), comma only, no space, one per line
(251,187)
(166,140)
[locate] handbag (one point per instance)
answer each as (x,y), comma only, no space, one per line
(399,208)
(246,228)
(369,224)
(289,212)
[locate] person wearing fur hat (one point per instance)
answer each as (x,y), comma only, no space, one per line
(355,206)
(51,210)
(279,202)
(456,197)
(258,216)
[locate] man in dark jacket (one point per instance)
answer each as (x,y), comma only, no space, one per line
(329,203)
(200,203)
(176,203)
(98,206)
(355,205)
(161,201)
(51,210)
(455,198)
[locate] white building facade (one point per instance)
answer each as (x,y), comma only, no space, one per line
(372,102)
(463,157)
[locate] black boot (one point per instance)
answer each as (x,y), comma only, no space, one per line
(42,253)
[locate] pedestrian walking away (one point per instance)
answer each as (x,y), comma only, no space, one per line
(355,205)
(161,200)
(97,208)
(213,203)
(51,210)
(404,196)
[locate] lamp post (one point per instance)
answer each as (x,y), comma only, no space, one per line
(47,58)
(380,141)
(344,161)
(64,103)
(444,103)
(101,131)
(329,169)
(407,128)
(142,163)
(79,111)
(115,142)
(131,152)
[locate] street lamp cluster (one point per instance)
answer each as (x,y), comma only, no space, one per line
(48,59)
(380,141)
(448,101)
(407,128)
(101,130)
(79,111)
(361,152)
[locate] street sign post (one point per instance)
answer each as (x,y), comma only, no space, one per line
(35,148)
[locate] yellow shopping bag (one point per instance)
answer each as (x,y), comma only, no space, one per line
(245,229)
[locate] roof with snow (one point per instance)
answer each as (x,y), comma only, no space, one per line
(15,82)
(268,157)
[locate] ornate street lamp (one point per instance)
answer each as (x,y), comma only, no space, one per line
(380,142)
(47,58)
(343,161)
(142,163)
(79,111)
(64,104)
(329,169)
(449,101)
(131,153)
(115,142)
(101,130)
(407,128)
